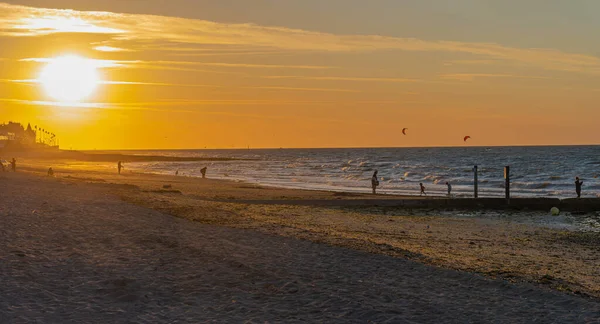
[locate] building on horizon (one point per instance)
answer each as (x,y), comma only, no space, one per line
(15,135)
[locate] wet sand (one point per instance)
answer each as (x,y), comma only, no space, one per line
(92,246)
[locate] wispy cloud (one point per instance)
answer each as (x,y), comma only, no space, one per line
(110,49)
(167,105)
(473,76)
(159,64)
(303,89)
(95,62)
(26,21)
(148,28)
(472,62)
(339,78)
(234,102)
(236,65)
(141,83)
(184,85)
(160,84)
(55,103)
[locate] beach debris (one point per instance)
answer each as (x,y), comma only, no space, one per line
(466,138)
(404,131)
(554,211)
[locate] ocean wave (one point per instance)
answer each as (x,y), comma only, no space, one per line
(350,169)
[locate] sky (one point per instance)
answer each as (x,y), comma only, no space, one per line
(308,73)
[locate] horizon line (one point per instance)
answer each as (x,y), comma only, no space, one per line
(325,148)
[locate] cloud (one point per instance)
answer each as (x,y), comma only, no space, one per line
(28,21)
(303,89)
(20,20)
(472,62)
(184,85)
(110,49)
(160,84)
(55,103)
(99,64)
(472,76)
(35,81)
(338,78)
(236,65)
(169,64)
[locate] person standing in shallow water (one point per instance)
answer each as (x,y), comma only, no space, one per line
(449,189)
(120,166)
(203,171)
(422,189)
(578,185)
(374,182)
(13,165)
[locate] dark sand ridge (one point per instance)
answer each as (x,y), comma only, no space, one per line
(497,244)
(73,252)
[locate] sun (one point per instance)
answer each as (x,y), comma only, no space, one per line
(69,78)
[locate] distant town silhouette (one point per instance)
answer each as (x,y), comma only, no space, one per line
(14,135)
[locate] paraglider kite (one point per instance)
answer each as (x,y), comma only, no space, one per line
(404,131)
(466,138)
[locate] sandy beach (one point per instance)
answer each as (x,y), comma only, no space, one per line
(91,246)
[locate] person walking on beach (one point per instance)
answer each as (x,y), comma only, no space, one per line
(449,189)
(374,182)
(578,185)
(13,165)
(422,189)
(203,171)
(120,166)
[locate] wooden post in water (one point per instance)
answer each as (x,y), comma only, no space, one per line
(475,182)
(507,183)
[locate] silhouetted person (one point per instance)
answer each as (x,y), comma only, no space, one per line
(422,189)
(177,172)
(449,188)
(203,171)
(578,185)
(2,165)
(120,166)
(13,165)
(50,172)
(374,182)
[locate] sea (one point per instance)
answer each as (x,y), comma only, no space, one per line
(535,171)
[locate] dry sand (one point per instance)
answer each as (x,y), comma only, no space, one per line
(75,249)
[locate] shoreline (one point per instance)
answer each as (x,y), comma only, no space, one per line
(489,197)
(339,198)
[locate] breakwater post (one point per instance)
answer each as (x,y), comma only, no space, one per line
(507,183)
(475,186)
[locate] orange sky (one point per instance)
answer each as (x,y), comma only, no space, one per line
(196,82)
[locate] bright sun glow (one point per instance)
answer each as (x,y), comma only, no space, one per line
(69,78)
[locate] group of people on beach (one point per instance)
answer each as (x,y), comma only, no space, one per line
(375,184)
(13,165)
